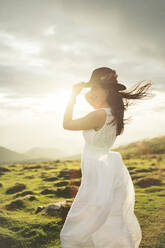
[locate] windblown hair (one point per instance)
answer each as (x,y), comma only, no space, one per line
(119,98)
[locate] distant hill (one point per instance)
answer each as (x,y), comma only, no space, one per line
(36,154)
(144,147)
(7,155)
(40,152)
(133,150)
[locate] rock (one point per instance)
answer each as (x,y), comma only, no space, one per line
(54,209)
(75,173)
(68,201)
(61,184)
(77,183)
(32,167)
(39,209)
(50,209)
(69,174)
(143,170)
(154,189)
(54,206)
(64,173)
(30,197)
(29,177)
(131,168)
(64,210)
(15,204)
(162,195)
(135,177)
(50,179)
(69,191)
(27,192)
(48,191)
(146,182)
(57,161)
(16,188)
(48,167)
(3,169)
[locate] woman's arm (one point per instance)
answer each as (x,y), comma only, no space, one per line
(68,114)
(92,120)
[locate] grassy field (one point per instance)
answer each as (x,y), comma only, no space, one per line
(25,187)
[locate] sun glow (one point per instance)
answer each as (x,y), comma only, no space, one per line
(57,102)
(60,100)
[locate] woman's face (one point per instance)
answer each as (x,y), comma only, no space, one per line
(96,96)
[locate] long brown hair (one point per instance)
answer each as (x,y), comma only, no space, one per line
(119,98)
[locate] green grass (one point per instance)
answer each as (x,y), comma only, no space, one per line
(25,229)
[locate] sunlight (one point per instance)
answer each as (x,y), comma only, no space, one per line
(58,102)
(54,102)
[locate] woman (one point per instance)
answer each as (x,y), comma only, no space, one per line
(102,213)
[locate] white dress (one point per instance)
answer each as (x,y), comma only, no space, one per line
(102,213)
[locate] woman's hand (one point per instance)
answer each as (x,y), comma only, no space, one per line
(76,89)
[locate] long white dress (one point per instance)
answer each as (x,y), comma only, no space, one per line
(102,213)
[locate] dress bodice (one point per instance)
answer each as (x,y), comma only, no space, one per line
(105,137)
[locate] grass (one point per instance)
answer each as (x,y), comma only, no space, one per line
(22,227)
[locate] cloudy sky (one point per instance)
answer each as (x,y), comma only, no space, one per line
(46,46)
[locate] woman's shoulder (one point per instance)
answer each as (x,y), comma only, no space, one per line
(100,113)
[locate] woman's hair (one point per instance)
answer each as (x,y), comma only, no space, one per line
(119,98)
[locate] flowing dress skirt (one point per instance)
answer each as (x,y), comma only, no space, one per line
(102,213)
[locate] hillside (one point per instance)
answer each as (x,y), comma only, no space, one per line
(7,155)
(35,154)
(145,147)
(27,189)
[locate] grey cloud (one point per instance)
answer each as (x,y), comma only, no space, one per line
(22,80)
(124,35)
(28,18)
